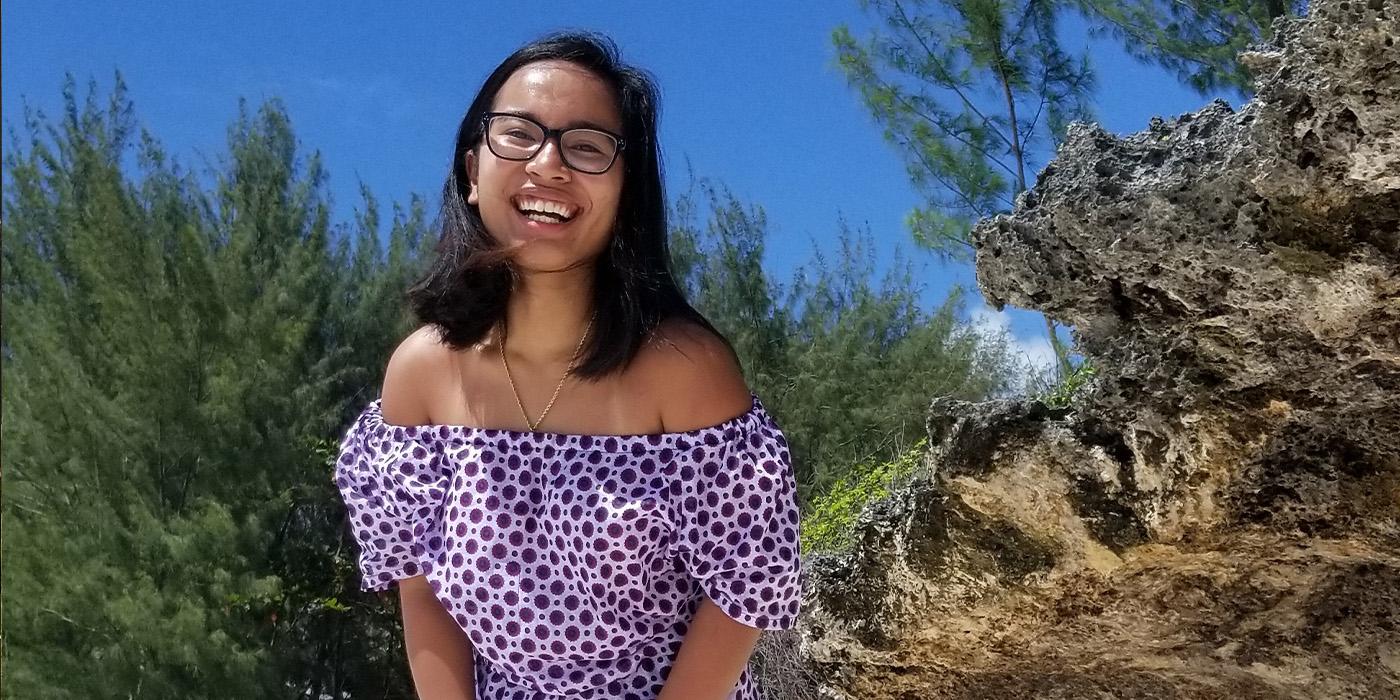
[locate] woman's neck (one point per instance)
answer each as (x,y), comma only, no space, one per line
(547,314)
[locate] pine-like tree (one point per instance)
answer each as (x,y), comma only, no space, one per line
(974,93)
(176,362)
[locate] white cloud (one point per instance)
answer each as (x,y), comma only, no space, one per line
(1034,350)
(1038,351)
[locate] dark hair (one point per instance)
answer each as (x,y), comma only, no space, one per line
(465,290)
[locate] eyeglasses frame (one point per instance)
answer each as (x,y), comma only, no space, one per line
(556,134)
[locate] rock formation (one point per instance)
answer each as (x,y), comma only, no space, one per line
(1218,513)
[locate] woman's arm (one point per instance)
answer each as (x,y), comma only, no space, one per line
(699,382)
(712,656)
(439,654)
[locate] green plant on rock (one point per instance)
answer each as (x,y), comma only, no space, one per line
(1062,394)
(829,523)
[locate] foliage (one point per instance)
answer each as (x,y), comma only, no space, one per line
(1197,40)
(828,523)
(960,87)
(968,91)
(173,359)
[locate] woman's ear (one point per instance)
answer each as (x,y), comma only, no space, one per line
(473,196)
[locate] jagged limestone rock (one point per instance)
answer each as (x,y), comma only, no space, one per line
(1219,513)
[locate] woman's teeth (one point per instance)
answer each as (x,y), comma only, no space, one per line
(544,211)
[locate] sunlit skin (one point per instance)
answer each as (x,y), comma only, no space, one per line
(689,381)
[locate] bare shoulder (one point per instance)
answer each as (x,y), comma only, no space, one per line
(694,376)
(415,366)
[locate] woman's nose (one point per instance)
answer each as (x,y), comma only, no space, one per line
(548,162)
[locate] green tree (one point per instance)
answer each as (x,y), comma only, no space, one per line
(174,359)
(127,548)
(971,92)
(335,640)
(1199,41)
(866,358)
(720,266)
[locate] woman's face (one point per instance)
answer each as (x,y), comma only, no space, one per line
(558,95)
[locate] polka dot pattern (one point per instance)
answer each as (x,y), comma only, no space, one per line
(575,563)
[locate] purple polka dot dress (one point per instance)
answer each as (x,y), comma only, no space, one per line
(575,563)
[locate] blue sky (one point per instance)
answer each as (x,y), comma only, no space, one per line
(751,97)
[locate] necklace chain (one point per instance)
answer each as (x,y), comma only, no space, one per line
(557,388)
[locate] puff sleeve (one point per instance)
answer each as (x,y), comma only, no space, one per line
(393,481)
(736,502)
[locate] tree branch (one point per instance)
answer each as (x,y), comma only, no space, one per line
(952,84)
(952,134)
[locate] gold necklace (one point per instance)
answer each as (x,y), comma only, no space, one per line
(567,372)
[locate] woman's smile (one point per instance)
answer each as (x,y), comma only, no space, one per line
(544,210)
(544,216)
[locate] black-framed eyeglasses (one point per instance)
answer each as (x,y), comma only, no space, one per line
(513,137)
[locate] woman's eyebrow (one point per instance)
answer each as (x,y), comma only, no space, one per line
(572,124)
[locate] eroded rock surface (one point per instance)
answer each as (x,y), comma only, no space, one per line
(1219,513)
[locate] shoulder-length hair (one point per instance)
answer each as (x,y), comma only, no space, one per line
(465,289)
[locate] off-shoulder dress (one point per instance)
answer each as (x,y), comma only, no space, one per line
(575,563)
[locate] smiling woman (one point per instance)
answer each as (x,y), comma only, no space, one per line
(637,546)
